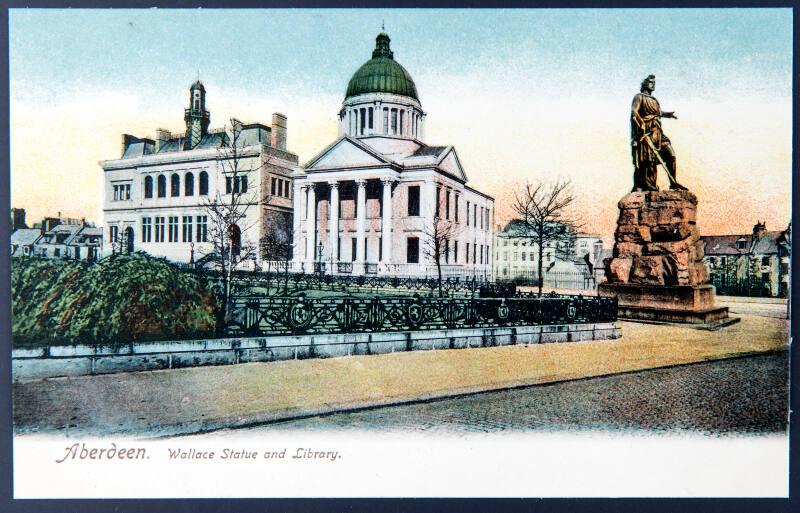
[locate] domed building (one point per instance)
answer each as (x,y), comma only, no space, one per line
(379,200)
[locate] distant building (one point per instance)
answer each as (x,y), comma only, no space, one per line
(156,193)
(23,241)
(754,264)
(367,203)
(70,241)
(18,219)
(570,265)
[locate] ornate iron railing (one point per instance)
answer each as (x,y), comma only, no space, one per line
(257,316)
(248,282)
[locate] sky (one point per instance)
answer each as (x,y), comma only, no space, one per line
(523,95)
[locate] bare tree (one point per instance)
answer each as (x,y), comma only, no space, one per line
(545,211)
(438,243)
(228,209)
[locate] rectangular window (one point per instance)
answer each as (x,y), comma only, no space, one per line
(481,253)
(456,212)
(467,252)
(468,213)
(475,216)
(394,121)
(413,200)
(481,218)
(159,229)
(370,118)
(380,249)
(385,121)
(173,228)
(353,249)
(447,205)
(187,228)
(455,251)
(446,251)
(438,199)
(127,191)
(202,228)
(339,250)
(363,112)
(412,250)
(280,188)
(242,184)
(273,188)
(147,229)
(113,233)
(228,184)
(366,245)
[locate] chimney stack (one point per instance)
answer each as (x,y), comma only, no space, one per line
(162,138)
(279,131)
(127,139)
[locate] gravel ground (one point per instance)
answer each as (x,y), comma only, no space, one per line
(741,395)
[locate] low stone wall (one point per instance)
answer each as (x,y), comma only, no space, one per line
(80,360)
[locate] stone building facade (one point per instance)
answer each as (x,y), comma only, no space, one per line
(753,264)
(156,194)
(516,258)
(374,200)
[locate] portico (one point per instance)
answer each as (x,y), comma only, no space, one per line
(347,224)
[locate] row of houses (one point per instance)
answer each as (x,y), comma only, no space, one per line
(55,237)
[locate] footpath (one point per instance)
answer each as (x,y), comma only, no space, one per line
(198,399)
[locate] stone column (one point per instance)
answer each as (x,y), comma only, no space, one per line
(333,226)
(311,226)
(361,219)
(297,206)
(386,222)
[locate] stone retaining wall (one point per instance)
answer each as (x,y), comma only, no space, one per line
(80,360)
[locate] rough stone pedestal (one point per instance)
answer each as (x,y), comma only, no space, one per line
(657,271)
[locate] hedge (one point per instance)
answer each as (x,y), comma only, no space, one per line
(120,299)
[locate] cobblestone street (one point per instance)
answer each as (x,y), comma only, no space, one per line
(740,395)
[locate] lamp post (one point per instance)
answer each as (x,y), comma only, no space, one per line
(319,257)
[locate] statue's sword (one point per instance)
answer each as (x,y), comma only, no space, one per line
(652,145)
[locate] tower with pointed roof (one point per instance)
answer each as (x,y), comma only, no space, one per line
(196,116)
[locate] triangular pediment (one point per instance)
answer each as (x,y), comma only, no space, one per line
(451,165)
(346,152)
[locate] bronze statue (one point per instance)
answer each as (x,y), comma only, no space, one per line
(649,145)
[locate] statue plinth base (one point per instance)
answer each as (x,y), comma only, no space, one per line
(689,304)
(657,271)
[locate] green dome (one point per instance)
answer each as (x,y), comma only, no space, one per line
(382,74)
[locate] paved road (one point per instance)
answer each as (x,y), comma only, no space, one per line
(741,395)
(752,306)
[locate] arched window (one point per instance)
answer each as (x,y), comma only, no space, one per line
(148,187)
(162,186)
(203,183)
(175,185)
(235,235)
(188,184)
(128,241)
